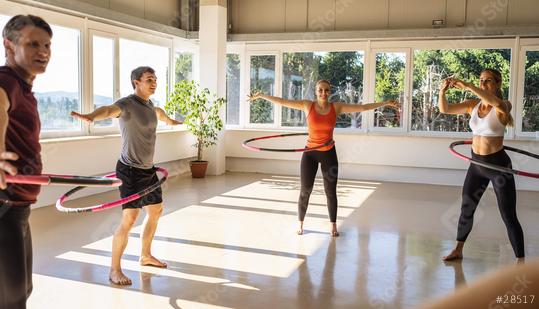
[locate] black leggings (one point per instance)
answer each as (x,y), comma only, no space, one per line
(477,180)
(15,257)
(330,172)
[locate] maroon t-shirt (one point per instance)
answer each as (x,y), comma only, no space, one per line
(22,135)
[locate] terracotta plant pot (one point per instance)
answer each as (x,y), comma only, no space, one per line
(198,168)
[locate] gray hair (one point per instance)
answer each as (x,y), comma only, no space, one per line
(13,27)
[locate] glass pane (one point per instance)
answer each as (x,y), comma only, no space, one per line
(389,85)
(103,75)
(301,71)
(183,70)
(233,89)
(263,80)
(344,70)
(432,66)
(530,112)
(134,54)
(183,67)
(57,90)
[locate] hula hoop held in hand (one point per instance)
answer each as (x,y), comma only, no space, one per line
(246,145)
(65,180)
(59,180)
(494,166)
(100,207)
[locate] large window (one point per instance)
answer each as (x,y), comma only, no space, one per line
(233,69)
(263,80)
(432,66)
(530,111)
(57,90)
(389,85)
(301,71)
(76,80)
(134,54)
(103,74)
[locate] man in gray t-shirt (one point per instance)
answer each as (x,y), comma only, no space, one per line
(138,122)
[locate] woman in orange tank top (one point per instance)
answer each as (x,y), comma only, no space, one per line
(321,119)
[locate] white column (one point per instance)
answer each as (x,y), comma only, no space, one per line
(212,38)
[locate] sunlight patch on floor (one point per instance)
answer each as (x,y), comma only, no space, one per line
(222,258)
(51,292)
(249,230)
(287,190)
(272,205)
(135,266)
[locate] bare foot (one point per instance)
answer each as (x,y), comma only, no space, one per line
(118,277)
(299,231)
(334,232)
(453,256)
(152,261)
(520,260)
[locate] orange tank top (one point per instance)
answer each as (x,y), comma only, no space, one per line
(321,127)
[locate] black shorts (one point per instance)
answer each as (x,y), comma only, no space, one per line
(135,180)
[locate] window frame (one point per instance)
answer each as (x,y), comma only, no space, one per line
(88,27)
(327,48)
(238,49)
(63,20)
(404,127)
(277,91)
(185,46)
(370,48)
(501,43)
(90,127)
(142,36)
(260,49)
(526,45)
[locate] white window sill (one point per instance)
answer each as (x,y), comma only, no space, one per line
(52,140)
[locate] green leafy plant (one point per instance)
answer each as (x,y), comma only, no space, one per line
(201,111)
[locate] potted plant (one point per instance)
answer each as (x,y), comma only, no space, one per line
(200,110)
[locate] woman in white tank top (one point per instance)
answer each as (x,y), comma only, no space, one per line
(490,114)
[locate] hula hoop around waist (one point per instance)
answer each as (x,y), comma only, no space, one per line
(494,166)
(100,207)
(246,145)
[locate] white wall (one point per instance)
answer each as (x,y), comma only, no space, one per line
(165,12)
(97,155)
(375,157)
(262,16)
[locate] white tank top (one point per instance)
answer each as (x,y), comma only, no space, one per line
(489,125)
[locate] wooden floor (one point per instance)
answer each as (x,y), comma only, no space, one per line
(230,242)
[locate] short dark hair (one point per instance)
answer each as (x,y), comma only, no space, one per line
(13,27)
(137,73)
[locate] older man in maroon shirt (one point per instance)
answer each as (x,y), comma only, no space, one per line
(27,41)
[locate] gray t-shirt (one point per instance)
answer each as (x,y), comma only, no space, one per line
(138,122)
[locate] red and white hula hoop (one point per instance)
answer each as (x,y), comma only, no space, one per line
(494,166)
(100,207)
(245,144)
(65,180)
(54,179)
